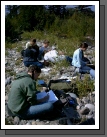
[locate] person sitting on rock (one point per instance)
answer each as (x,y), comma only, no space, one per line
(43,49)
(30,56)
(30,43)
(22,99)
(81,63)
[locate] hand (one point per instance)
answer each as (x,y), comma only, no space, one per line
(43,99)
(46,97)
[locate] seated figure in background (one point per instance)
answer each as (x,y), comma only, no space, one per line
(53,56)
(45,47)
(30,55)
(80,62)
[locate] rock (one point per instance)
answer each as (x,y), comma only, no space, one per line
(37,120)
(93,91)
(90,106)
(84,111)
(16,120)
(15,59)
(22,122)
(7,81)
(34,122)
(29,123)
(85,100)
(79,102)
(89,116)
(78,107)
(47,74)
(6,62)
(47,123)
(6,98)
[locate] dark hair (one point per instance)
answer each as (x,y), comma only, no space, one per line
(83,45)
(33,40)
(33,68)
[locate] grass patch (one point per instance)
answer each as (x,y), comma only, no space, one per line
(10,45)
(19,48)
(67,45)
(10,72)
(6,53)
(61,64)
(18,62)
(84,87)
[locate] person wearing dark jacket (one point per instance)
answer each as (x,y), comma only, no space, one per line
(22,100)
(31,55)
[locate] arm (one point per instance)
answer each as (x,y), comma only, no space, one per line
(80,61)
(43,99)
(31,94)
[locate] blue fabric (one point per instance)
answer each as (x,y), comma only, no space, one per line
(28,63)
(37,111)
(42,83)
(77,60)
(92,73)
(69,59)
(41,52)
(31,54)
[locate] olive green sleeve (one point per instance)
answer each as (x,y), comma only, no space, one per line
(31,93)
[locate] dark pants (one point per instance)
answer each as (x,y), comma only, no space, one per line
(37,63)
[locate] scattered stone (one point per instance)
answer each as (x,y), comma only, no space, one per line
(85,100)
(84,111)
(89,116)
(6,98)
(85,106)
(16,120)
(34,122)
(78,107)
(90,106)
(7,81)
(79,102)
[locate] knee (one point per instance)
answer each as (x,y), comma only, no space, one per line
(26,64)
(50,106)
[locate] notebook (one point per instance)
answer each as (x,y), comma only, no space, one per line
(52,97)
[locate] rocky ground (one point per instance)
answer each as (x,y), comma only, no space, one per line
(13,64)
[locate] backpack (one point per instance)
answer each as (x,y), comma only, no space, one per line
(61,84)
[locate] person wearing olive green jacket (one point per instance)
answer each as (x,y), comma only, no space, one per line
(22,99)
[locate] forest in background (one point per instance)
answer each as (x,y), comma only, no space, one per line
(58,20)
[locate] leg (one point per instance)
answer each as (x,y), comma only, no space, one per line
(27,64)
(39,64)
(37,111)
(85,69)
(69,59)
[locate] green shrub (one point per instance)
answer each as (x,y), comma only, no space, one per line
(84,87)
